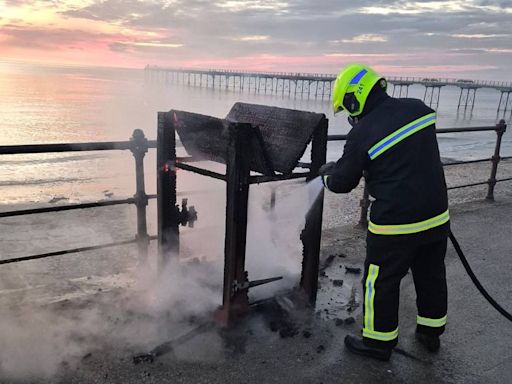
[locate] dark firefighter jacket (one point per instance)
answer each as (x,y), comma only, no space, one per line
(404,170)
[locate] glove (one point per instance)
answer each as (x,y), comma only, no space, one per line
(324,172)
(326,169)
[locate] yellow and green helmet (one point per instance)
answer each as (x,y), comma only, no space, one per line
(352,87)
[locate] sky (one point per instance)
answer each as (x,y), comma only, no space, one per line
(458,38)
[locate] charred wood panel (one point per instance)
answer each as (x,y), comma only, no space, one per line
(207,138)
(285,132)
(277,140)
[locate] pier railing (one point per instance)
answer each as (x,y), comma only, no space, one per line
(139,145)
(332,77)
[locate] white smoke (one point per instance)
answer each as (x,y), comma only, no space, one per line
(159,304)
(273,241)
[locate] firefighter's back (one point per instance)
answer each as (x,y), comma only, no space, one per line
(405,174)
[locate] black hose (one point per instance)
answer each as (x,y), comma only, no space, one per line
(479,286)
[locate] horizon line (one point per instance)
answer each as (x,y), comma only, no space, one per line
(93,66)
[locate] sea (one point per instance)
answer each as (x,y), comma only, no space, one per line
(70,104)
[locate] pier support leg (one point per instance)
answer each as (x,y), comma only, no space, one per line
(472,98)
(432,95)
(437,98)
(504,104)
(460,98)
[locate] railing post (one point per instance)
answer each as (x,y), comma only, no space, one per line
(235,302)
(365,204)
(501,127)
(139,149)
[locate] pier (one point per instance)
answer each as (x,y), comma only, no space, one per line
(318,86)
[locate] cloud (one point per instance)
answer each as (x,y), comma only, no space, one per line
(127,46)
(253,5)
(363,55)
(471,35)
(46,38)
(156,44)
(479,35)
(113,10)
(451,6)
(364,38)
(415,8)
(498,50)
(472,51)
(251,38)
(189,31)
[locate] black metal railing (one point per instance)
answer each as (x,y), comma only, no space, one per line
(139,145)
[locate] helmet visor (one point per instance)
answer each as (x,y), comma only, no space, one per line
(350,103)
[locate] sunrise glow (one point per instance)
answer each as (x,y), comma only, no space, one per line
(402,37)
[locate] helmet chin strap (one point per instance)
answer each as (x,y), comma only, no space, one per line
(352,120)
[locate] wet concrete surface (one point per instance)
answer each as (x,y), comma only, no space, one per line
(288,344)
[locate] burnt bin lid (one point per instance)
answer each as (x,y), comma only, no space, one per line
(286,132)
(207,138)
(278,136)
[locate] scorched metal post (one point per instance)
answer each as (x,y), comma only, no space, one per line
(168,221)
(235,301)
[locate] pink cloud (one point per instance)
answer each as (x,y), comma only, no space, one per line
(72,46)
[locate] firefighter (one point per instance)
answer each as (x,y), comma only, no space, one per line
(394,141)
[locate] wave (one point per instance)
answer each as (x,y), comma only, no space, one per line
(53,160)
(12,183)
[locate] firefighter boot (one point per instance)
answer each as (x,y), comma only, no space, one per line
(359,347)
(431,342)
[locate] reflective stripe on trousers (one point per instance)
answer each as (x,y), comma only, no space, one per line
(434,323)
(404,229)
(369,310)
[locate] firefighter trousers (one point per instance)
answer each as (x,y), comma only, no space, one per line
(385,266)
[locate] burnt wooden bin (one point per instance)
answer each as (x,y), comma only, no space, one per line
(258,144)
